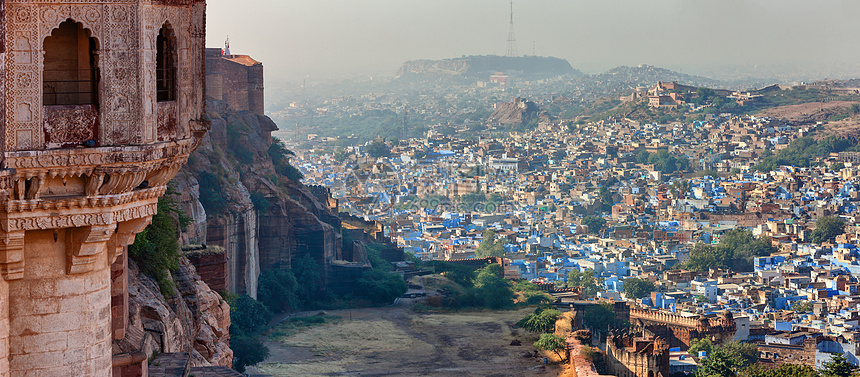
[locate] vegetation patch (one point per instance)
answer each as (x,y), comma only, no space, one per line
(295,325)
(156,248)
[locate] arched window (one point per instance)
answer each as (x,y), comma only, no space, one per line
(70,76)
(165,70)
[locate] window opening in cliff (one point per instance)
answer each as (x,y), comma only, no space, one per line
(165,80)
(70,72)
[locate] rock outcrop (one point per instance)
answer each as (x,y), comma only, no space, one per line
(195,319)
(519,112)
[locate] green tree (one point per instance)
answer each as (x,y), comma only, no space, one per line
(462,275)
(552,343)
(837,167)
(249,316)
(543,321)
(638,288)
(601,317)
(280,156)
(531,293)
(494,290)
(340,155)
(248,319)
(735,251)
(306,270)
(826,228)
(703,344)
(803,306)
(838,366)
(679,188)
(377,149)
(642,157)
(381,287)
(746,352)
(784,370)
(247,350)
(276,288)
(490,246)
(606,199)
(594,223)
(720,363)
(585,279)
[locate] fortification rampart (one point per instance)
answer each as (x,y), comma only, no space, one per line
(627,356)
(679,330)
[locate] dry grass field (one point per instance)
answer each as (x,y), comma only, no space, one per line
(397,341)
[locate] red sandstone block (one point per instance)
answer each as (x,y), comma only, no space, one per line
(55,341)
(62,322)
(37,360)
(45,305)
(70,287)
(42,288)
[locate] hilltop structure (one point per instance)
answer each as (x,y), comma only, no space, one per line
(102,102)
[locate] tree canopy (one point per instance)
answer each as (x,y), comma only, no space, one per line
(838,366)
(594,223)
(826,228)
(586,280)
(542,321)
(490,246)
(663,161)
(735,251)
(551,342)
(698,345)
(494,290)
(377,149)
(802,151)
(638,288)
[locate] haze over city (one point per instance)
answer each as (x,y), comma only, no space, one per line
(373,37)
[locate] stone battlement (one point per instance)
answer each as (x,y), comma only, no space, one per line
(641,357)
(663,317)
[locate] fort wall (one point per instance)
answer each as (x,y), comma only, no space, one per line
(627,356)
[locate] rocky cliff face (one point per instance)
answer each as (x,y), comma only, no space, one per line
(195,320)
(262,218)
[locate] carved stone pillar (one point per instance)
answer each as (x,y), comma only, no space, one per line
(118,258)
(12,255)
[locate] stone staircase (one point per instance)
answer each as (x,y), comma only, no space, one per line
(177,365)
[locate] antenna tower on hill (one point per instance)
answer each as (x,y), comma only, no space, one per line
(512,38)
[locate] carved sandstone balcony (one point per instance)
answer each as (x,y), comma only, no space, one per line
(105,194)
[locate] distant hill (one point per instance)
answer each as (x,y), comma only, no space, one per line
(647,75)
(527,66)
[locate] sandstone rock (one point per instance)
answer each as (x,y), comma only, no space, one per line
(195,320)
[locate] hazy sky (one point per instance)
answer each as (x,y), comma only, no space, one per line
(344,37)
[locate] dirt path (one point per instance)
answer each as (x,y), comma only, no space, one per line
(395,341)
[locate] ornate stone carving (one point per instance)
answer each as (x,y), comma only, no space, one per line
(84,245)
(12,255)
(125,234)
(70,125)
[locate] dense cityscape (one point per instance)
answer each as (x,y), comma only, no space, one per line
(634,189)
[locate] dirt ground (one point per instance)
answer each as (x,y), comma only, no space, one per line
(812,111)
(396,341)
